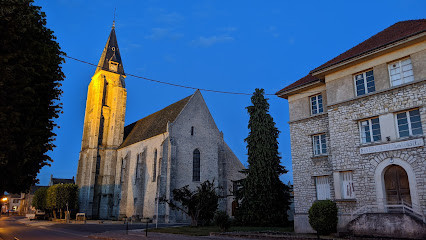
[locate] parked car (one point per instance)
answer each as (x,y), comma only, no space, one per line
(40,215)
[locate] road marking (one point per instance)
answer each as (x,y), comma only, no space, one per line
(55,230)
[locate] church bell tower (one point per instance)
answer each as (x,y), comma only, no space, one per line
(102,134)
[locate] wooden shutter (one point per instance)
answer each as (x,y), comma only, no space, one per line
(347,185)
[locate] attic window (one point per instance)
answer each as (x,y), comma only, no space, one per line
(192,131)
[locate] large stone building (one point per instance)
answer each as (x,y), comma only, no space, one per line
(122,171)
(358,124)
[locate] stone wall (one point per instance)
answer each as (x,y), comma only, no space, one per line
(388,225)
(135,197)
(140,191)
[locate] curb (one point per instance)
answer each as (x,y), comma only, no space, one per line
(261,235)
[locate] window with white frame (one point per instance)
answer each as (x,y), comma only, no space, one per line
(319,144)
(401,72)
(316,104)
(323,187)
(347,185)
(370,130)
(364,83)
(409,123)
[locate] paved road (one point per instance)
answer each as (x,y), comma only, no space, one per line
(10,229)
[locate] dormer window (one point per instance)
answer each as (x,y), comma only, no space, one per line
(113,66)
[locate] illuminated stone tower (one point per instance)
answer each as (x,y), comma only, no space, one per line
(103,133)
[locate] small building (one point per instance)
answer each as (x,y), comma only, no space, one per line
(358,125)
(27,199)
(54,181)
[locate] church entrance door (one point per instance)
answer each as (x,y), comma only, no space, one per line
(397,186)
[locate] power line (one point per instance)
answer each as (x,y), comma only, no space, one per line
(173,84)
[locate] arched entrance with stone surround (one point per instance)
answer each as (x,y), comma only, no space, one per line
(379,178)
(397,186)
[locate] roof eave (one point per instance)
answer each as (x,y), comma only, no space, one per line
(285,94)
(372,53)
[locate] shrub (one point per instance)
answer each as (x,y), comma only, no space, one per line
(221,219)
(200,204)
(323,217)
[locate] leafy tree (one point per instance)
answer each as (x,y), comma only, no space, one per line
(200,205)
(40,199)
(30,71)
(264,198)
(323,217)
(61,197)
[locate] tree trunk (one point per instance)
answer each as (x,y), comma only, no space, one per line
(194,221)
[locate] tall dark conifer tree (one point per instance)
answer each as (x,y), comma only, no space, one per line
(30,76)
(264,198)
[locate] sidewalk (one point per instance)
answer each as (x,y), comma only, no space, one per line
(140,234)
(39,223)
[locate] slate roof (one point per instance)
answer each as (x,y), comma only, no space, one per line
(111,52)
(34,188)
(61,180)
(153,124)
(397,32)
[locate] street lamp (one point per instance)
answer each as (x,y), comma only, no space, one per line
(4,205)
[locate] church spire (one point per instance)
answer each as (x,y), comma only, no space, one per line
(110,58)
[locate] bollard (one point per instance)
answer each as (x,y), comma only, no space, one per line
(127,228)
(146,229)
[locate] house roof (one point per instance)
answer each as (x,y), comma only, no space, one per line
(153,124)
(34,188)
(303,81)
(111,52)
(54,181)
(397,32)
(394,33)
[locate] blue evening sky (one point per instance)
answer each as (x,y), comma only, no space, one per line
(222,45)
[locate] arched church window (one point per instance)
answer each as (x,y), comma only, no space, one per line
(154,166)
(196,166)
(123,169)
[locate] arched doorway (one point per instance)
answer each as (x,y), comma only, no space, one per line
(397,186)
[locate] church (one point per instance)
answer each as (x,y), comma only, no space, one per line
(124,170)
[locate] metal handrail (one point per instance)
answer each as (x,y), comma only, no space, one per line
(404,206)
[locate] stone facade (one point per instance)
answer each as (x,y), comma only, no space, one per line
(347,153)
(123,171)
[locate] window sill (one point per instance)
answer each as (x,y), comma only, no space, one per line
(346,200)
(318,158)
(376,92)
(392,141)
(309,117)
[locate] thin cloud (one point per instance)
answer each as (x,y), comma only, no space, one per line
(163,33)
(170,18)
(209,41)
(273,30)
(229,29)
